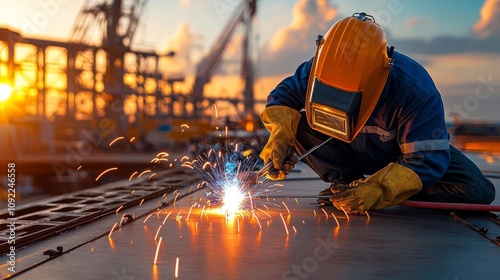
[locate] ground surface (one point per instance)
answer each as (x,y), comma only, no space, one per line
(305,241)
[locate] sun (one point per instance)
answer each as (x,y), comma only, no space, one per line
(5,92)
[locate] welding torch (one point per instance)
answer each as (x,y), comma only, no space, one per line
(264,170)
(249,179)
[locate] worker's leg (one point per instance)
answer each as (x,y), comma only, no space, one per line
(333,160)
(463,182)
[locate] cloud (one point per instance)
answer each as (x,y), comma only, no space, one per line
(454,70)
(294,43)
(190,5)
(418,21)
(489,23)
(186,4)
(182,43)
(458,64)
(446,44)
(484,36)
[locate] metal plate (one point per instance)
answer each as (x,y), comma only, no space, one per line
(397,242)
(44,218)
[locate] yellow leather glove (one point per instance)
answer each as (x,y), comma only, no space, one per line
(282,123)
(391,185)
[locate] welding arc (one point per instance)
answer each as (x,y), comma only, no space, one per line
(452,206)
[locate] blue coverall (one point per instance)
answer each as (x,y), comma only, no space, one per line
(407,126)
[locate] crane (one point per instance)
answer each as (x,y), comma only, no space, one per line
(205,69)
(114,23)
(117,22)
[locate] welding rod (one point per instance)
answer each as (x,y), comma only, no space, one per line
(269,165)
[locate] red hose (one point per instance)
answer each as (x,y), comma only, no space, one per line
(452,206)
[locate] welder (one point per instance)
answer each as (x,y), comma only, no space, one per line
(386,116)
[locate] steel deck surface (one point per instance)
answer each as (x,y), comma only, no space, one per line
(287,236)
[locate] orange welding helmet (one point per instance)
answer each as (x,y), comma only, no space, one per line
(347,77)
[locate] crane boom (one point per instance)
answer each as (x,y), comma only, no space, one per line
(207,66)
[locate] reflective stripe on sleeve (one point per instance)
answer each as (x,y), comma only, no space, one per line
(384,134)
(426,145)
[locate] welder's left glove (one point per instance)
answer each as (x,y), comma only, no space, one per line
(391,185)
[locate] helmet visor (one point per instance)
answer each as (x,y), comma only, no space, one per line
(333,111)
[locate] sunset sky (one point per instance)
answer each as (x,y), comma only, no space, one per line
(458,41)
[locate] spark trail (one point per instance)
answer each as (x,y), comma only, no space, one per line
(227,174)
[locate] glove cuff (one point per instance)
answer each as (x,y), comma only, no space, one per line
(397,182)
(283,116)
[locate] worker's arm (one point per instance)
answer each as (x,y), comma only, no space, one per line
(291,92)
(423,141)
(281,118)
(282,123)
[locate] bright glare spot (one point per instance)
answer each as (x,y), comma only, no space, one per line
(5,92)
(490,159)
(232,200)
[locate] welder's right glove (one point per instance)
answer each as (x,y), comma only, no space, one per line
(282,123)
